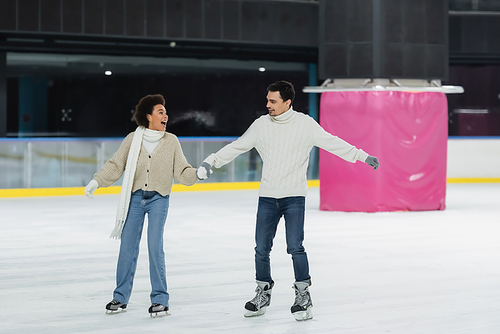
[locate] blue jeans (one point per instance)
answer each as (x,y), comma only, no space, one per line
(156,206)
(269,212)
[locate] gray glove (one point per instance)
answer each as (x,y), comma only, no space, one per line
(372,161)
(203,172)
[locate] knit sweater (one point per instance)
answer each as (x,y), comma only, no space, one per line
(284,142)
(155,171)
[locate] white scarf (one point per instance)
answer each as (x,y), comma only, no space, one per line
(128,177)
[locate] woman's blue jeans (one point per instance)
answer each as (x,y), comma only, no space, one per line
(156,206)
(269,212)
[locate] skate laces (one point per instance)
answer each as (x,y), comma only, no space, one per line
(259,296)
(301,298)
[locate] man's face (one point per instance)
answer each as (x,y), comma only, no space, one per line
(158,118)
(275,104)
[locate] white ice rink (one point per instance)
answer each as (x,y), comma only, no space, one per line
(402,272)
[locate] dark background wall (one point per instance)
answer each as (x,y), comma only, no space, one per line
(383,39)
(243,29)
(474,38)
(200,102)
(355,38)
(382,31)
(197,105)
(475,64)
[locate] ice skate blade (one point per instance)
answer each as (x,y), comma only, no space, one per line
(303,315)
(250,314)
(161,314)
(113,312)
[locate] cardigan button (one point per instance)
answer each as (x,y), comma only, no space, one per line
(149,157)
(146,185)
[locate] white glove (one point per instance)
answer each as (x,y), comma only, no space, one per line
(91,188)
(203,172)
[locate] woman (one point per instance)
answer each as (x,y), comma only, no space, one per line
(149,158)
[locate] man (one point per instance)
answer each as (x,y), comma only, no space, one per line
(283,139)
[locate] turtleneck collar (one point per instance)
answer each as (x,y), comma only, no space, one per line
(152,136)
(284,117)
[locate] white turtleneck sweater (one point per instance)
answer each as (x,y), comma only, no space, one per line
(151,139)
(284,142)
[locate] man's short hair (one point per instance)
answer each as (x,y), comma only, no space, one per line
(145,107)
(287,92)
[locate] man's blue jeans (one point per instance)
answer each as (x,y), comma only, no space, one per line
(156,206)
(269,212)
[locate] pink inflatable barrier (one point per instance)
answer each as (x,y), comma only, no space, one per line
(407,131)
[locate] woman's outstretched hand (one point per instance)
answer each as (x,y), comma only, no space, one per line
(91,188)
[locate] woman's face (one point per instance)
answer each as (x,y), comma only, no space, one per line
(158,118)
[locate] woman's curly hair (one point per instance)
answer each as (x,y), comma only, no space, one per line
(145,107)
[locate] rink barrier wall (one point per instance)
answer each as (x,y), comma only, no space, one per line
(473,157)
(70,191)
(469,160)
(219,186)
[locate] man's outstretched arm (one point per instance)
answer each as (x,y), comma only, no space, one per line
(229,152)
(341,148)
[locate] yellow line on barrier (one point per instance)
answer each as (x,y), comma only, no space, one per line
(313,183)
(66,191)
(473,180)
(216,186)
(34,192)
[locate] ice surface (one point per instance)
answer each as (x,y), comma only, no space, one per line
(401,272)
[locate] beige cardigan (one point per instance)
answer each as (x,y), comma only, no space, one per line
(155,171)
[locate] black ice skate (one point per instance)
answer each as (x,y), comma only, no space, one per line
(302,308)
(115,306)
(259,303)
(155,308)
